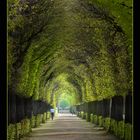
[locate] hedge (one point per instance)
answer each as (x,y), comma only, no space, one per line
(118,128)
(18,130)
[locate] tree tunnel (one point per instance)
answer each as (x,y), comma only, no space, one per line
(79,50)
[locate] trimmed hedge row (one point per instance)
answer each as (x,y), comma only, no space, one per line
(18,130)
(118,128)
(11,131)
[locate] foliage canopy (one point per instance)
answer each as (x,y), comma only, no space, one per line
(82,48)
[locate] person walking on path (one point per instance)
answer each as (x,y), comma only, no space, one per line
(52,113)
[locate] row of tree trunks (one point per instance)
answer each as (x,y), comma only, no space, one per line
(118,108)
(20,108)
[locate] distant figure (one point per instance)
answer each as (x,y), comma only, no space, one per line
(52,113)
(72,111)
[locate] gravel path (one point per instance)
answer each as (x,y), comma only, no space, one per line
(69,127)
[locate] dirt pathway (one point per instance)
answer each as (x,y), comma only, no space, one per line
(69,127)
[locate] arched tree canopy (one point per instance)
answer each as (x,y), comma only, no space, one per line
(81,49)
